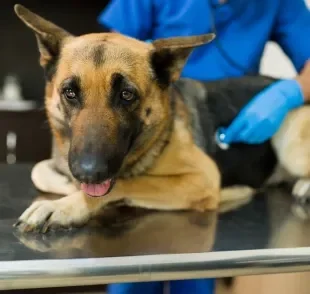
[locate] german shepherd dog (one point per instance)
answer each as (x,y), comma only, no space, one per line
(128,129)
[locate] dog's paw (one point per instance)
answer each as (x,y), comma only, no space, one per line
(301,194)
(51,214)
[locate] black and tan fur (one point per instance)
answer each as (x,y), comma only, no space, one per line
(160,146)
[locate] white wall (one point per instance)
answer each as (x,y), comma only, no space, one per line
(274,61)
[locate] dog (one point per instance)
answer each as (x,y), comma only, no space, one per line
(128,130)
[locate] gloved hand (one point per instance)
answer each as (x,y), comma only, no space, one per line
(262,116)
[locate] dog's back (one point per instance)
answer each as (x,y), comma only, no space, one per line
(215,104)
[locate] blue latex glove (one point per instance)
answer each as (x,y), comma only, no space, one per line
(260,119)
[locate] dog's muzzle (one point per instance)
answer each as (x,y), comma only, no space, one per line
(93,174)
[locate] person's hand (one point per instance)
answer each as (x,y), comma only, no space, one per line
(304,80)
(262,116)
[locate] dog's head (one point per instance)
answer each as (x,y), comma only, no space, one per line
(105,92)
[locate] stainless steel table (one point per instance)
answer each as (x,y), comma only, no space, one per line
(126,244)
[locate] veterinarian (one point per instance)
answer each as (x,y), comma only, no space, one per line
(243,27)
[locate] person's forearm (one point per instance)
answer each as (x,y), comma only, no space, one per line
(305,86)
(304,80)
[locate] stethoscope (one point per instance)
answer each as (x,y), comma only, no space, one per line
(219,136)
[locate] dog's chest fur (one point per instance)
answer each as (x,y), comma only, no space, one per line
(215,104)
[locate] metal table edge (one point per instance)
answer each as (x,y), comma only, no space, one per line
(95,271)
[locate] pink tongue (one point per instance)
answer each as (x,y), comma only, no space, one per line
(96,190)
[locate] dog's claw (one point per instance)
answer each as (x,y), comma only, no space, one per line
(17,224)
(25,228)
(20,226)
(45,228)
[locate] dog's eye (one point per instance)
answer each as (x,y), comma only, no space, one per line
(127,96)
(69,94)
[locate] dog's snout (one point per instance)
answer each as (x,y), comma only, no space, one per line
(88,169)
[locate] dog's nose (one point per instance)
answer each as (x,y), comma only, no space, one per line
(89,170)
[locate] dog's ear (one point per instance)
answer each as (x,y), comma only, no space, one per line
(171,54)
(49,35)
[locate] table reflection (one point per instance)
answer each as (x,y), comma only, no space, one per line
(121,231)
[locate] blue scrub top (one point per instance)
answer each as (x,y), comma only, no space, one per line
(243,29)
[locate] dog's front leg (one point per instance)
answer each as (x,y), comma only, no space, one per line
(175,192)
(70,211)
(155,192)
